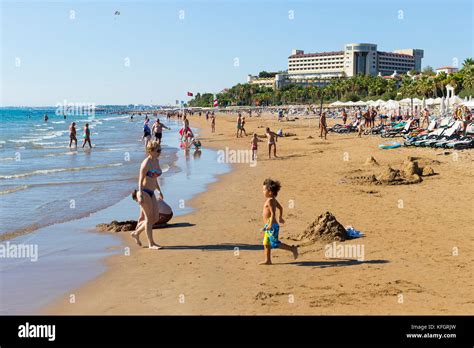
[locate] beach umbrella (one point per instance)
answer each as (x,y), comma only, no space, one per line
(442,107)
(360,103)
(349,103)
(430,101)
(391,104)
(455,100)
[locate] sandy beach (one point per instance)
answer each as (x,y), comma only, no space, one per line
(418,239)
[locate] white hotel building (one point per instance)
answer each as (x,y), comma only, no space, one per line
(356,58)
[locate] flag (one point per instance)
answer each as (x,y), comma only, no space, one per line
(190,94)
(216,103)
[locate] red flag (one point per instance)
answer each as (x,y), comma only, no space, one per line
(216,103)
(190,94)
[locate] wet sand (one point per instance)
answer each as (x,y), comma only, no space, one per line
(418,238)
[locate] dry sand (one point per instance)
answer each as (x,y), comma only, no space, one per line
(418,237)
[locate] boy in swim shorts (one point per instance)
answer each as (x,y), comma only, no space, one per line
(272,228)
(272,139)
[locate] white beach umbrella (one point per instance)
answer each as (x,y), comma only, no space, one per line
(442,107)
(391,104)
(405,101)
(429,101)
(360,103)
(437,101)
(349,103)
(455,100)
(417,101)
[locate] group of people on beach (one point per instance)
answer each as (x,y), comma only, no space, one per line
(151,213)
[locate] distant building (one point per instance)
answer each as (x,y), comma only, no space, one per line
(447,70)
(261,81)
(356,58)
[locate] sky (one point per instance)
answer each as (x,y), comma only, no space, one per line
(154,52)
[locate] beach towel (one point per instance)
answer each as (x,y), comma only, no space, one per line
(353,233)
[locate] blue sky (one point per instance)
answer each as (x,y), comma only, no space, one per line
(83,59)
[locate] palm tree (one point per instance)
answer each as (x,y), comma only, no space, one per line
(468,62)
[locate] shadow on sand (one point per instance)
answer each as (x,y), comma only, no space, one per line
(336,263)
(177,224)
(216,247)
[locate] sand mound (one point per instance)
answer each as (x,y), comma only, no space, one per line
(409,173)
(325,228)
(410,168)
(117,226)
(371,161)
(427,171)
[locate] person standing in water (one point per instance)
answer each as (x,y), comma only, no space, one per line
(46,117)
(158,130)
(87,136)
(150,170)
(146,133)
(72,134)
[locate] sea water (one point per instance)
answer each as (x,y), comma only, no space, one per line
(36,197)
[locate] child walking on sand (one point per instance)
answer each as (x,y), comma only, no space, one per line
(272,228)
(254,143)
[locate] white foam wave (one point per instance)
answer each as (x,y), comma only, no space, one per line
(57,170)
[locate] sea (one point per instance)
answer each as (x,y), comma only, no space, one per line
(52,196)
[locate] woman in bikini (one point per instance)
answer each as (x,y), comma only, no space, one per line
(147,184)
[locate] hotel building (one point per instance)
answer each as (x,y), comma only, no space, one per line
(356,58)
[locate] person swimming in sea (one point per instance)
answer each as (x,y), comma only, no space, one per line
(272,228)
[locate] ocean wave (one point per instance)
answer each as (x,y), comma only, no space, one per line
(57,122)
(57,170)
(115,118)
(14,189)
(61,154)
(65,183)
(7,158)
